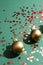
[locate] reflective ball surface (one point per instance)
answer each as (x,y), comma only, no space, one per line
(36,34)
(17,47)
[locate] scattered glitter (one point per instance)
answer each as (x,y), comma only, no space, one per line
(3,44)
(26,35)
(3,40)
(23,49)
(15,39)
(4,10)
(1,55)
(33,52)
(25,53)
(37,59)
(34,48)
(10,27)
(23,63)
(40,52)
(20,33)
(4,64)
(24,38)
(28,40)
(31,60)
(42,38)
(41,47)
(0,32)
(2,49)
(10,62)
(37,50)
(33,5)
(30,30)
(33,27)
(36,16)
(28,59)
(19,58)
(35,45)
(2,37)
(9,43)
(31,57)
(40,21)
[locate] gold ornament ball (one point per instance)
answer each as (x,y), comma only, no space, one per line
(17,47)
(36,35)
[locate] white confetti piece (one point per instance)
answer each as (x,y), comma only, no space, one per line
(37,50)
(33,52)
(28,59)
(37,59)
(36,16)
(29,26)
(40,47)
(28,33)
(28,40)
(41,51)
(31,57)
(25,53)
(42,38)
(40,21)
(34,49)
(30,30)
(31,60)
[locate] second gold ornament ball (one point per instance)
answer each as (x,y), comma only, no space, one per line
(36,34)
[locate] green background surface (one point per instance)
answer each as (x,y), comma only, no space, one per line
(10,7)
